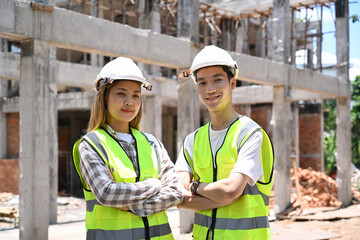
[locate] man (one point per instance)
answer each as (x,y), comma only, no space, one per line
(226,166)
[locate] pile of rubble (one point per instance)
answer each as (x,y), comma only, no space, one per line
(316,189)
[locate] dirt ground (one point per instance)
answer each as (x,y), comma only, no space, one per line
(345,229)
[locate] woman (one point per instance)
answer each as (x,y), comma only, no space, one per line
(128,178)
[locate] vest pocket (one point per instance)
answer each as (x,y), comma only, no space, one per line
(202,166)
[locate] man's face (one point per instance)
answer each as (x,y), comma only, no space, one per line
(214,88)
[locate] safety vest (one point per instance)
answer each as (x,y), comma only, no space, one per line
(104,222)
(247,218)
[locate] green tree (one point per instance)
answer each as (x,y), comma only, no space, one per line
(330,128)
(355,121)
(330,135)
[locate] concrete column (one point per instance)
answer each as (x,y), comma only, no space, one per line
(343,121)
(282,146)
(53,136)
(280,30)
(282,115)
(188,19)
(152,116)
(226,35)
(37,147)
(150,21)
(270,49)
(94,11)
(343,133)
(188,105)
(155,26)
(240,37)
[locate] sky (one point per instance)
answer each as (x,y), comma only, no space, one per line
(329,39)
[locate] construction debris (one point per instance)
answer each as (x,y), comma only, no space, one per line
(316,189)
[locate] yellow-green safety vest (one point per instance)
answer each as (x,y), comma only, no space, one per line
(104,222)
(247,218)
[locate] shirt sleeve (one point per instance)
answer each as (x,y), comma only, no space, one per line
(170,193)
(181,162)
(249,158)
(106,190)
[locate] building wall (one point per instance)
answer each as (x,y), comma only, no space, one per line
(262,115)
(13,125)
(9,167)
(9,175)
(310,140)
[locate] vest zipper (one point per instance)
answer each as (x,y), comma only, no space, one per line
(214,211)
(147,228)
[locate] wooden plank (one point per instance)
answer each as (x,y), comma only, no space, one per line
(330,213)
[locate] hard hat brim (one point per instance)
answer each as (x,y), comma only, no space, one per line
(99,84)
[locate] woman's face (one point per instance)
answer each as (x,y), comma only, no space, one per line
(123,104)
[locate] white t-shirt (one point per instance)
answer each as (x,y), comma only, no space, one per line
(249,156)
(127,137)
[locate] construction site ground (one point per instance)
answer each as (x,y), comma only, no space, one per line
(311,223)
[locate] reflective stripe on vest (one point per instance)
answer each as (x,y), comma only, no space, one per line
(103,221)
(249,215)
(232,224)
(134,234)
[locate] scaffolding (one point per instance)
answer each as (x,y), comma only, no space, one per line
(246,32)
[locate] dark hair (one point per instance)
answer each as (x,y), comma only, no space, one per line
(225,68)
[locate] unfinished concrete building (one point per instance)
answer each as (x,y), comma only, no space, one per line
(52,50)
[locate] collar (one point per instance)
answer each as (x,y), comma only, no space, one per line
(112,132)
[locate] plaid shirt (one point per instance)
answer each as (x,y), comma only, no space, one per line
(143,198)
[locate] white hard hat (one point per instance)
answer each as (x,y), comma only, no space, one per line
(120,68)
(211,56)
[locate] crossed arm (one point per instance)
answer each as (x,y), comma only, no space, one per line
(212,195)
(142,198)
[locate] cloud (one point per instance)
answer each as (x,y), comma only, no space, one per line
(354,68)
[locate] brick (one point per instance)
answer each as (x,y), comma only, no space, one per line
(9,175)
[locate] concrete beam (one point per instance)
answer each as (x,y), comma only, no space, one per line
(78,75)
(157,49)
(84,100)
(75,75)
(104,37)
(75,101)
